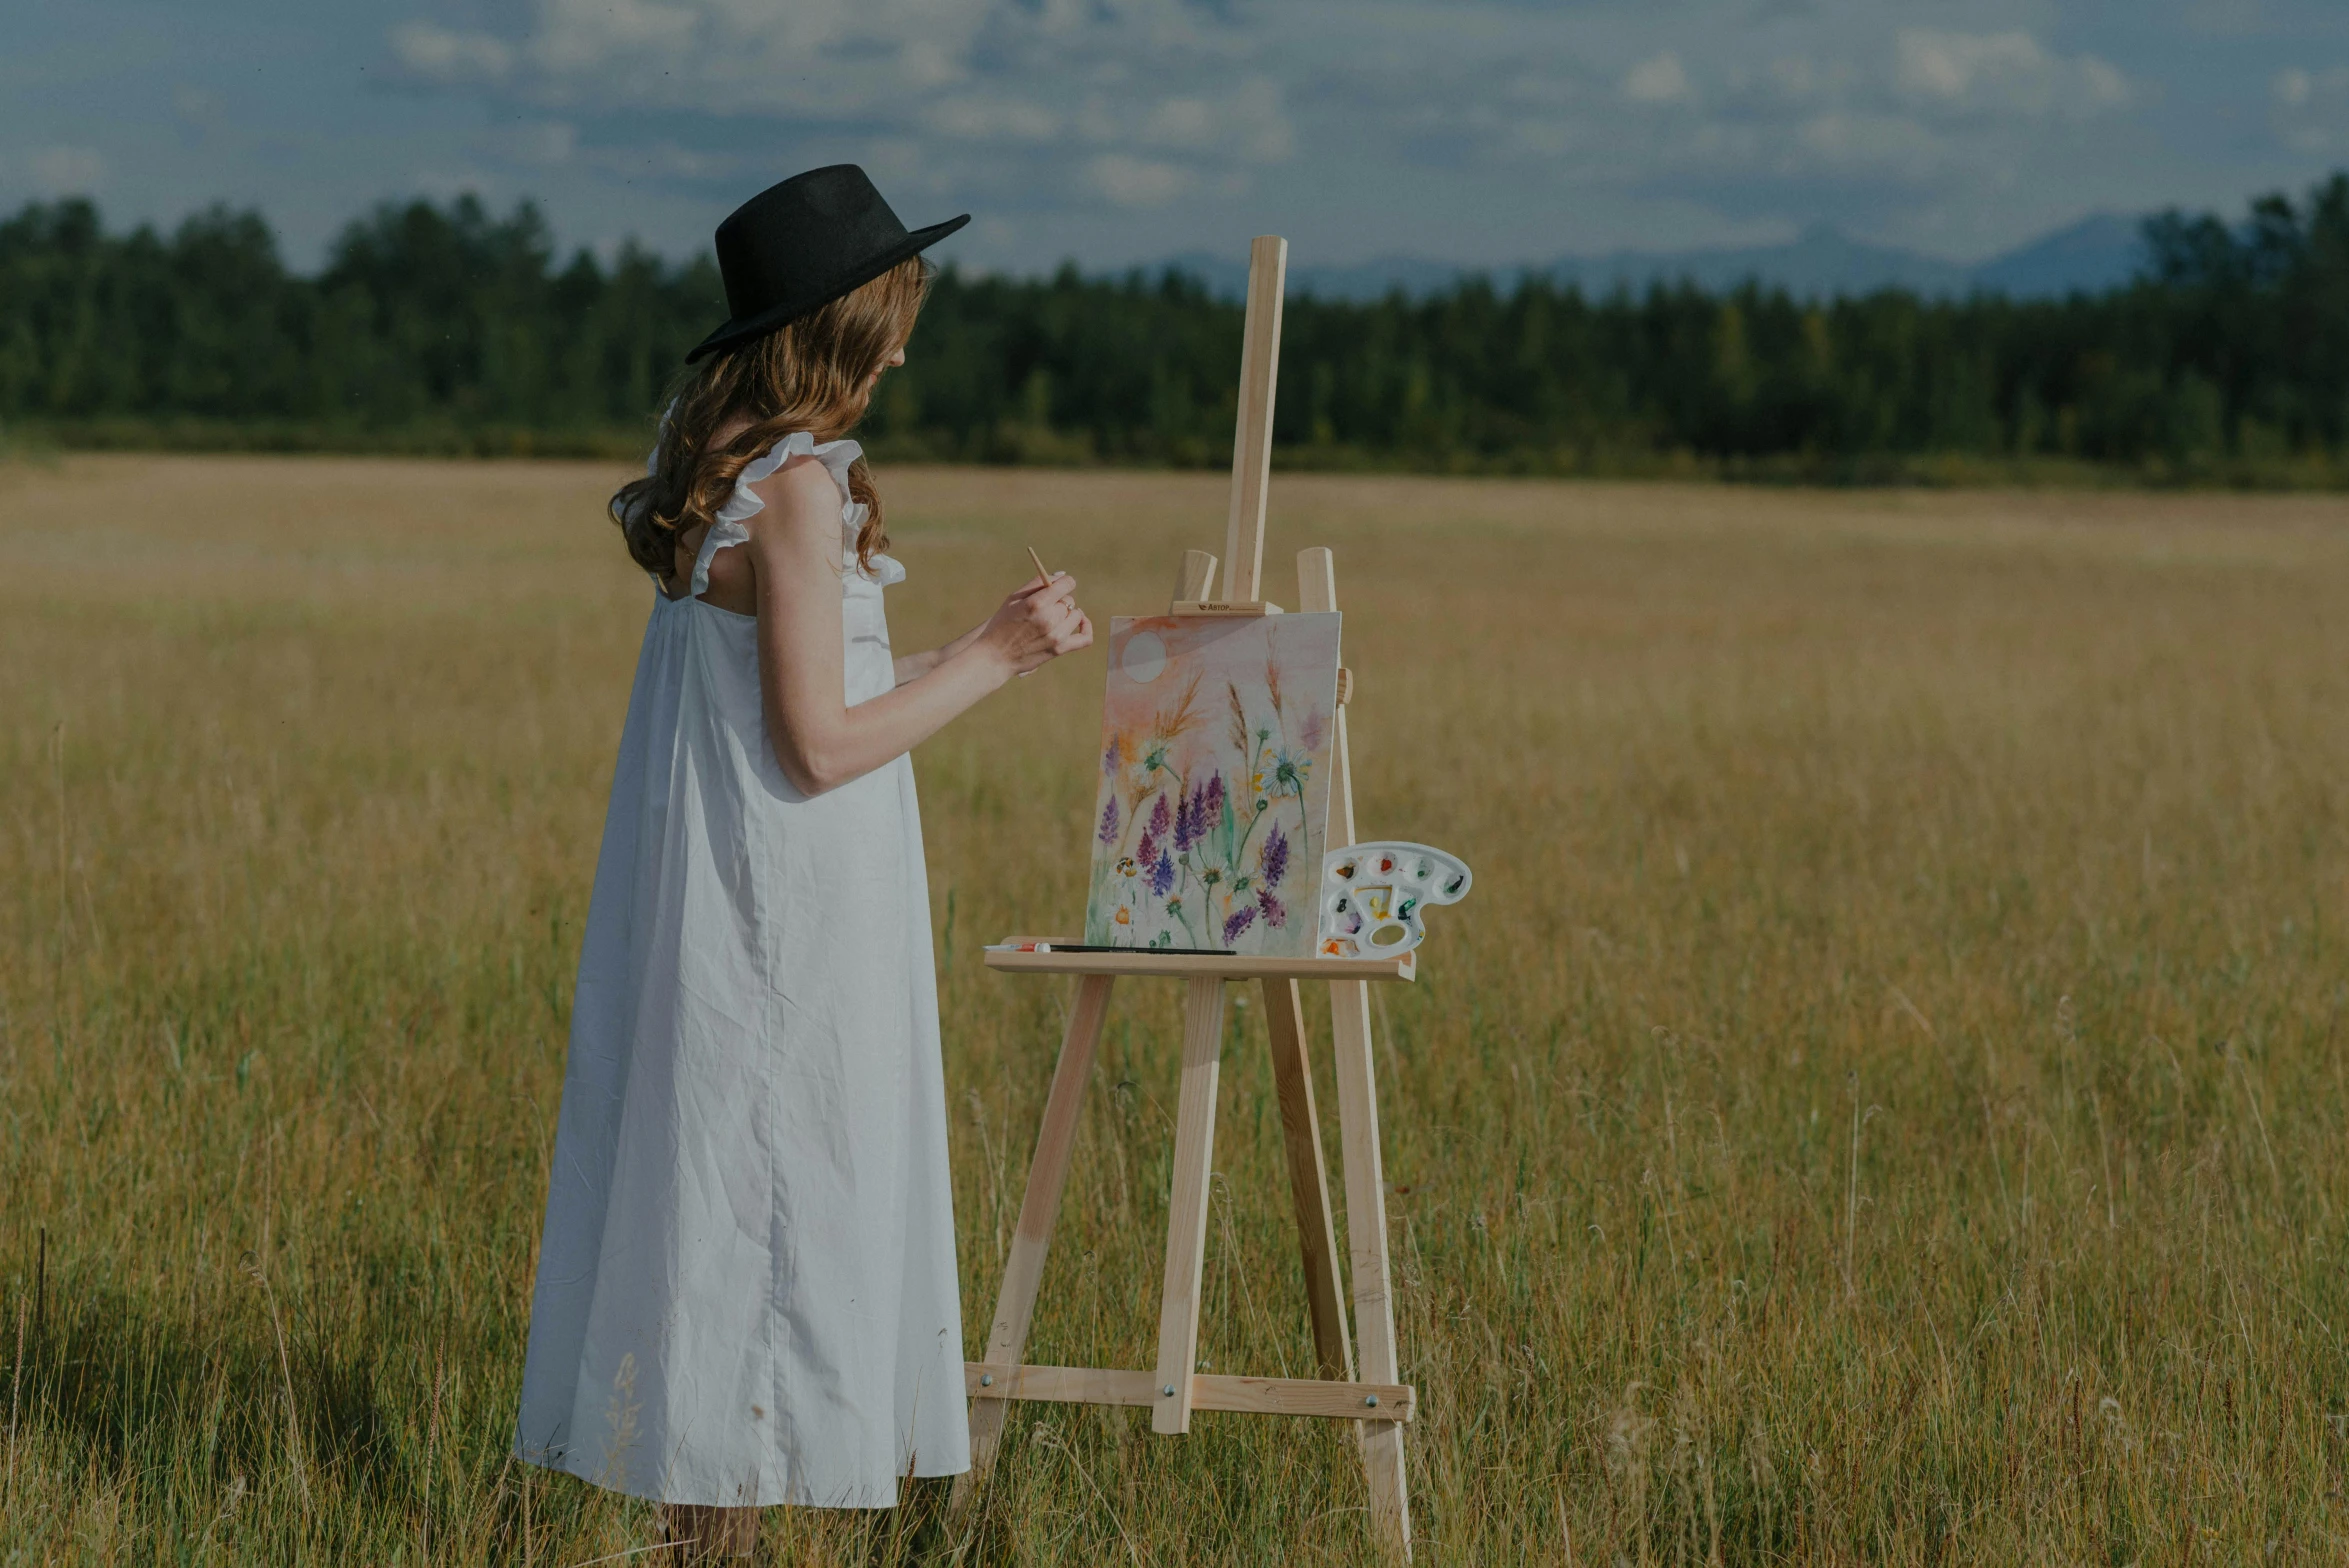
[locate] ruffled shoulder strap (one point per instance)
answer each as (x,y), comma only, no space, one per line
(727,530)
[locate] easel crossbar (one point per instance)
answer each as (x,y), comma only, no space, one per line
(1275,1396)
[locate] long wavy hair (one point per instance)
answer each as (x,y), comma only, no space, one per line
(812,374)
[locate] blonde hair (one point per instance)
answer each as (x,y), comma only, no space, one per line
(812,374)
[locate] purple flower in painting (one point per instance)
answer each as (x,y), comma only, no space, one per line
(1188,824)
(1275,912)
(1275,857)
(1201,810)
(1113,753)
(1162,874)
(1160,820)
(1242,918)
(1108,833)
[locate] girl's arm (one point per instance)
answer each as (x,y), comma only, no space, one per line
(820,741)
(913,666)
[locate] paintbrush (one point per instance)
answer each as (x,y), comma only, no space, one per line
(1042,576)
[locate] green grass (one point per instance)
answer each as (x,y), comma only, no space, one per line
(1884,1101)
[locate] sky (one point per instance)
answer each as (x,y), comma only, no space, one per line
(1114,132)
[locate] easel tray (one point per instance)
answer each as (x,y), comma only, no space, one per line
(1228,966)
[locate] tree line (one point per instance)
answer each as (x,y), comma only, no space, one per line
(449,328)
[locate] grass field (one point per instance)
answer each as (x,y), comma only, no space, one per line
(1886,1100)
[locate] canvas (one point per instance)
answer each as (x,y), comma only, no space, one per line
(1209,828)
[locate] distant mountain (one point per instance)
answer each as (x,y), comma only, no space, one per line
(2096,253)
(1820,263)
(1228,278)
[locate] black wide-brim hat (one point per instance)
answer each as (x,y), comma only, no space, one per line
(810,239)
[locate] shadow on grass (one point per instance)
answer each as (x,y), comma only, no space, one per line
(189,1404)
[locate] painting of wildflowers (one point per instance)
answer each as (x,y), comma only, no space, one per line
(1208,828)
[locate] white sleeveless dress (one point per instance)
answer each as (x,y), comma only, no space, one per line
(746,1291)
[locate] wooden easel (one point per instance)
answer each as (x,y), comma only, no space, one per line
(1375,1401)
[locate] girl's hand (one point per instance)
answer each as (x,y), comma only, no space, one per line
(1037,624)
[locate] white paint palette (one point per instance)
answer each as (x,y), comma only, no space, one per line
(1372,896)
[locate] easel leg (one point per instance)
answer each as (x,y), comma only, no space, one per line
(1284,1016)
(1015,1305)
(1366,1234)
(1186,1209)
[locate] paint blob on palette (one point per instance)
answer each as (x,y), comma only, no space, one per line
(1210,823)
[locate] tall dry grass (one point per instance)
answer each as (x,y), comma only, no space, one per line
(1885,1100)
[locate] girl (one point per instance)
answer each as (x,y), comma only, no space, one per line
(746,1292)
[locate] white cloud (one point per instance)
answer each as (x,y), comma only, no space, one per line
(1860,142)
(1141,100)
(198,108)
(1837,91)
(1137,182)
(444,56)
(1949,66)
(929,64)
(576,36)
(2309,110)
(1660,79)
(2107,87)
(1719,115)
(57,171)
(1181,122)
(2008,72)
(1247,123)
(667,160)
(993,119)
(1841,98)
(827,58)
(546,143)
